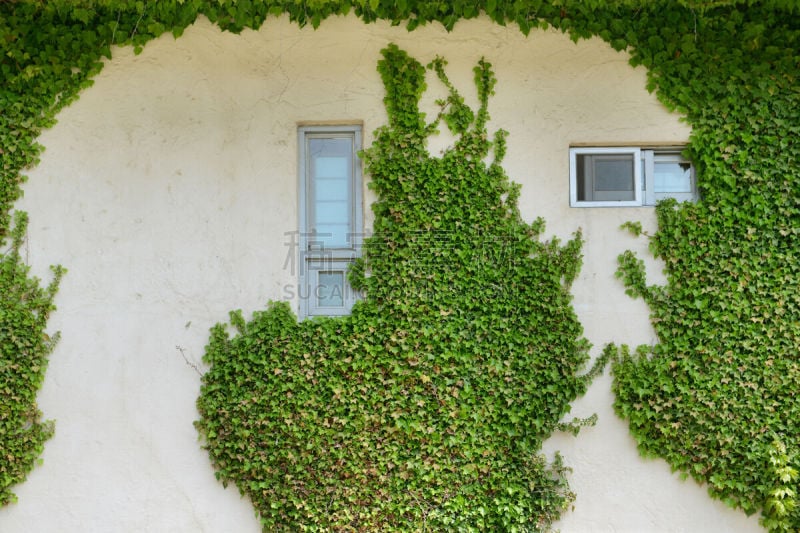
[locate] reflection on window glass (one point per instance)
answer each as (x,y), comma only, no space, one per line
(672,176)
(331,212)
(330,289)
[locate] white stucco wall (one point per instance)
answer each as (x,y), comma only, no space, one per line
(167,191)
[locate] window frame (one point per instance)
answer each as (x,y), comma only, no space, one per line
(632,151)
(645,158)
(315,256)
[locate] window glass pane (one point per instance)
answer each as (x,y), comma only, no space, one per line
(331,181)
(613,173)
(583,178)
(331,189)
(331,212)
(330,289)
(326,167)
(330,236)
(604,177)
(672,176)
(331,146)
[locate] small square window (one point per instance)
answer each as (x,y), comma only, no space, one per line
(330,289)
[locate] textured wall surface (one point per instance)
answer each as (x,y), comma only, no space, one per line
(169,191)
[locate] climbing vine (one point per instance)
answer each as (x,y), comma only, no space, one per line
(719,390)
(426,408)
(24,347)
(716,394)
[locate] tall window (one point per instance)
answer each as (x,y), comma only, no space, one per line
(629,176)
(331,220)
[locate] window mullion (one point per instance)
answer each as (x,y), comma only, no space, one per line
(649,178)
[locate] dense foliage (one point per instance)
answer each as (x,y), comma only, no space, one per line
(427,407)
(721,386)
(715,396)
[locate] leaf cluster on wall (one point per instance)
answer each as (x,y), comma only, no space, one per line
(24,347)
(426,408)
(719,389)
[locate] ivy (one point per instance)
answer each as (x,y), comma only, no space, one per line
(721,384)
(24,347)
(717,391)
(427,407)
(782,499)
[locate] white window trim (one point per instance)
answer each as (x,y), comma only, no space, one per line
(314,260)
(637,176)
(644,176)
(648,159)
